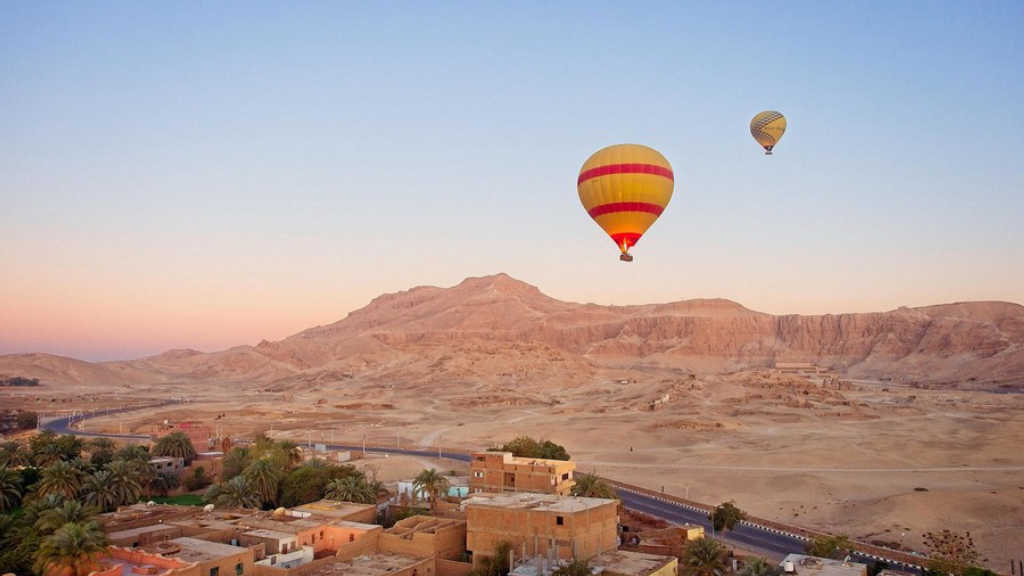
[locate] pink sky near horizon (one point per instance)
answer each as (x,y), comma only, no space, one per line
(130,321)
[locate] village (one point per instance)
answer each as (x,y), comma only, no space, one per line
(511,515)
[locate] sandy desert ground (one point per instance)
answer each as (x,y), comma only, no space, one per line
(879,461)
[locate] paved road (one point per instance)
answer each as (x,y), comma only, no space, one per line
(63,425)
(759,539)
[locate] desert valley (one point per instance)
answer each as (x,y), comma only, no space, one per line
(882,426)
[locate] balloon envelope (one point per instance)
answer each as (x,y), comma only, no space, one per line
(624,188)
(767,128)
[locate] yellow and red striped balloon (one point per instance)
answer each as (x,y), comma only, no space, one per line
(625,188)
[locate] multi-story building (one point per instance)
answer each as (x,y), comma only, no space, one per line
(504,472)
(213,558)
(541,525)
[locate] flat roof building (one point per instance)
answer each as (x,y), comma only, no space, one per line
(802,565)
(613,563)
(505,472)
(625,563)
(354,511)
(213,558)
(127,562)
(542,525)
(371,565)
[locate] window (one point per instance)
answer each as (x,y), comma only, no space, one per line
(215,571)
(478,474)
(239,569)
(351,537)
(321,535)
(565,476)
(559,520)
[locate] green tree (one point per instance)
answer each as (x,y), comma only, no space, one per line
(264,477)
(496,564)
(126,480)
(430,482)
(35,506)
(197,480)
(18,543)
(726,516)
(60,478)
(12,455)
(593,486)
(71,511)
(760,567)
(951,552)
(27,420)
(101,452)
(292,451)
(235,461)
(829,546)
(99,491)
(351,489)
(133,453)
(74,547)
(235,493)
(160,484)
(574,568)
(175,445)
(703,557)
(527,447)
(10,489)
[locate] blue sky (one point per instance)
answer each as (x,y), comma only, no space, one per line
(208,175)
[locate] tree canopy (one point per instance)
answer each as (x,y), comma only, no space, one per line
(527,447)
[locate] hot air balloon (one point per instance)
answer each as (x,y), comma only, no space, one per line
(625,188)
(767,128)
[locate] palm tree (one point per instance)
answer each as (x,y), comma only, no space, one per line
(760,567)
(60,478)
(263,478)
(703,557)
(430,482)
(234,493)
(126,480)
(352,488)
(101,492)
(74,547)
(133,452)
(592,486)
(175,445)
(71,511)
(101,452)
(13,455)
(38,504)
(163,483)
(10,488)
(292,450)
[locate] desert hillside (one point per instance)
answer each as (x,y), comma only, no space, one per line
(502,330)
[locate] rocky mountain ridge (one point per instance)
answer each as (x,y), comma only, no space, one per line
(500,329)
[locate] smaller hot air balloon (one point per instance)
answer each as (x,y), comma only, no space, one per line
(767,128)
(624,188)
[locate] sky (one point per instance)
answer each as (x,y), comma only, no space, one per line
(211,174)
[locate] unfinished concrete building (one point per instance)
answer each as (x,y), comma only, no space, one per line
(504,472)
(541,525)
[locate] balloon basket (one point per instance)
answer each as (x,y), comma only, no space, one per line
(625,257)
